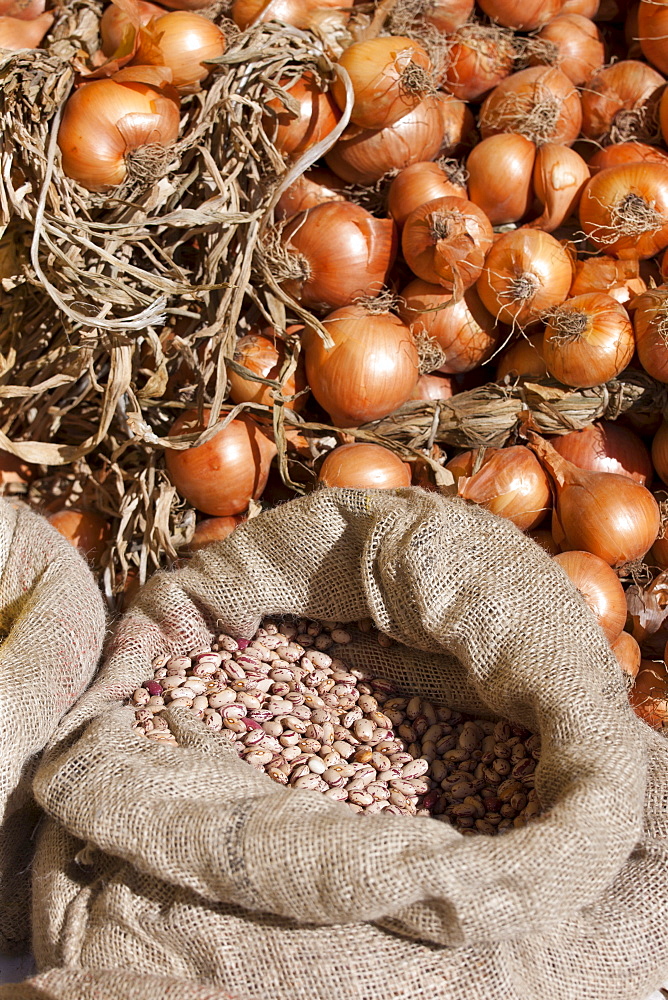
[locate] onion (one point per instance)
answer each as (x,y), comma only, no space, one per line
(524,358)
(183,42)
(390,76)
(628,653)
(500,176)
(660,452)
(624,210)
(612,516)
(340,253)
(626,152)
(363,156)
(312,188)
(445,242)
(463,329)
(653,31)
(649,694)
(369,372)
(588,340)
(17,34)
(478,58)
(105,126)
(526,272)
(559,176)
(264,354)
(606,447)
(465,463)
(419,183)
(434,387)
(586,8)
(540,103)
(116,21)
(600,587)
(512,484)
(543,537)
(292,134)
(621,102)
(447,15)
(618,278)
(650,322)
(213,529)
(575,45)
(23,10)
(223,475)
(364,467)
(303,14)
(524,15)
(85,529)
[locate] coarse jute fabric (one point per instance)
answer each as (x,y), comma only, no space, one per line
(191,863)
(52,624)
(109,984)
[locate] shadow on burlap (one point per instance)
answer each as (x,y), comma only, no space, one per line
(188,863)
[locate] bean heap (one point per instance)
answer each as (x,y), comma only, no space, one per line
(301,714)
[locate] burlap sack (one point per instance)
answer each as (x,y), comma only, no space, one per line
(187,862)
(73,984)
(52,626)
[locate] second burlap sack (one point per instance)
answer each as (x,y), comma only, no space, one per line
(189,863)
(52,624)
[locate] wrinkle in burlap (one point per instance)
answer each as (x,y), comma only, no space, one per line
(188,862)
(52,626)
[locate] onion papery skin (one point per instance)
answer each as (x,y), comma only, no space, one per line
(478,58)
(22,10)
(315,187)
(348,254)
(104,122)
(628,654)
(526,272)
(419,183)
(511,484)
(448,15)
(115,22)
(540,103)
(653,32)
(580,49)
(318,116)
(649,694)
(523,16)
(559,177)
(380,70)
(543,537)
(371,370)
(586,8)
(264,354)
(618,278)
(17,34)
(524,358)
(606,447)
(300,13)
(213,529)
(624,210)
(434,387)
(463,464)
(364,467)
(588,340)
(500,177)
(650,322)
(464,330)
(445,242)
(626,152)
(223,475)
(620,102)
(612,516)
(600,588)
(184,42)
(87,530)
(363,156)
(660,452)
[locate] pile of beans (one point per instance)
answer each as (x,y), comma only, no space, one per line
(297,711)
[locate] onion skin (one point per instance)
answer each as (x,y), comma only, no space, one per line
(599,586)
(264,354)
(22,10)
(348,254)
(445,242)
(579,43)
(511,107)
(221,476)
(511,484)
(364,467)
(213,529)
(115,22)
(559,177)
(448,15)
(588,340)
(524,16)
(650,322)
(183,41)
(478,59)
(464,330)
(105,121)
(631,188)
(628,654)
(500,177)
(434,387)
(625,152)
(524,358)
(85,529)
(17,34)
(617,102)
(318,116)
(606,447)
(315,187)
(652,31)
(649,694)
(620,279)
(543,537)
(419,183)
(611,516)
(303,14)
(660,452)
(371,370)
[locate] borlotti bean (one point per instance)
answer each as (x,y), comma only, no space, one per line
(299,712)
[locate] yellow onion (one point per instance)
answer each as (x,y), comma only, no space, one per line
(500,172)
(606,446)
(523,358)
(264,354)
(575,45)
(318,115)
(364,467)
(650,322)
(559,176)
(649,694)
(588,340)
(300,13)
(512,484)
(314,187)
(620,102)
(618,278)
(540,103)
(628,654)
(624,210)
(419,183)
(116,22)
(445,241)
(17,34)
(183,42)
(600,587)
(87,530)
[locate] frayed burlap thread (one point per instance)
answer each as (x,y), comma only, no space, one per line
(52,625)
(189,862)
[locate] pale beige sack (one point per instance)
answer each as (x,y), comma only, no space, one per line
(52,626)
(188,862)
(109,984)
